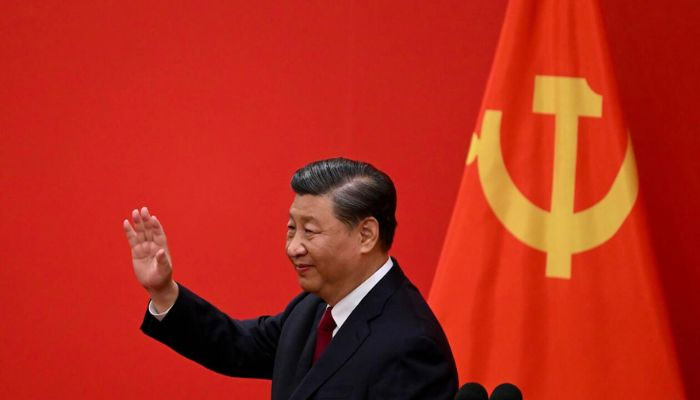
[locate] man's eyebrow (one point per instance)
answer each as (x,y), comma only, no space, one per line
(303,218)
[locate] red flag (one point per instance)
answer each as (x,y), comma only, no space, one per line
(546,278)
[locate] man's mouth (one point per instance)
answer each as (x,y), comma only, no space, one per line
(301,268)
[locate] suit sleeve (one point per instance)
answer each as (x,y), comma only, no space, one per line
(419,371)
(199,331)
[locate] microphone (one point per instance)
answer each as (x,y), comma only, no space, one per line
(506,391)
(472,391)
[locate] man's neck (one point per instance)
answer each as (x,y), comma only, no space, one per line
(369,266)
(373,263)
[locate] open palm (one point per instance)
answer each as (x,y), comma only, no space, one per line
(149,250)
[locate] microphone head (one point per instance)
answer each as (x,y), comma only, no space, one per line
(506,391)
(472,391)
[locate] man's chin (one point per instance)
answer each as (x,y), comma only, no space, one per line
(308,285)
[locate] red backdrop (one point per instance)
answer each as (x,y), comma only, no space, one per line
(202,112)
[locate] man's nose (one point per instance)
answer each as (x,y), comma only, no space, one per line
(294,247)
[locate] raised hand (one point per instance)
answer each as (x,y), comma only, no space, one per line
(151,258)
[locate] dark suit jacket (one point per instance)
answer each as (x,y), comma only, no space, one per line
(390,347)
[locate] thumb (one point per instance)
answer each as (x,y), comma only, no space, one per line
(162,260)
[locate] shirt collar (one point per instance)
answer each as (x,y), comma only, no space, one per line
(342,310)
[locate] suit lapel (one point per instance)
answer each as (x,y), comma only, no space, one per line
(349,337)
(307,354)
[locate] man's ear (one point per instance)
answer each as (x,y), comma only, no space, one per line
(369,234)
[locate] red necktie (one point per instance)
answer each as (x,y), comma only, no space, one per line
(324,333)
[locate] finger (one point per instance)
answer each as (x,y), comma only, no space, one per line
(130,233)
(138,226)
(156,227)
(135,216)
(144,213)
(145,218)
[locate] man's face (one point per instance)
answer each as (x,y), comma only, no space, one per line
(324,251)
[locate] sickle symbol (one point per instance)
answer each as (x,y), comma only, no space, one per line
(559,232)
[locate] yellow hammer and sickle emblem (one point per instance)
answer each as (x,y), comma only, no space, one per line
(560,232)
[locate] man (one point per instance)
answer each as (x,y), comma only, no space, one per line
(359,330)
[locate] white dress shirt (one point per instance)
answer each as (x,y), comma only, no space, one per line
(342,310)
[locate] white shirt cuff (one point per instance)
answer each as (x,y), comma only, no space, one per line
(155,313)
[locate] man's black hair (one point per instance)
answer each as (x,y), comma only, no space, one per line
(358,190)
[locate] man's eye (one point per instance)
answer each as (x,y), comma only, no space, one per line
(309,231)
